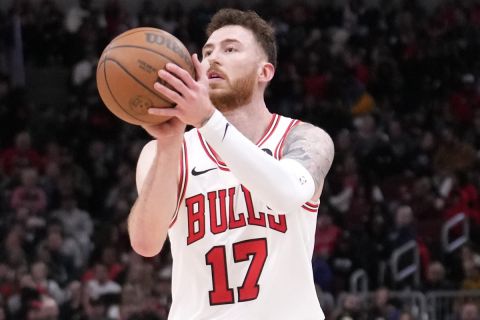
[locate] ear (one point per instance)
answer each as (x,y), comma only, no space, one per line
(266,72)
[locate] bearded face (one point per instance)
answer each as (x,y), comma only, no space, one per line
(229,94)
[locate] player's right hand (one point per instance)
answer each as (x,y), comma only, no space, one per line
(168,132)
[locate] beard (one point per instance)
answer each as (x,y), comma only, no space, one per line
(238,93)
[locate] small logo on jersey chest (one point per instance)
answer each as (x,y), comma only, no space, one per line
(199,172)
(268,151)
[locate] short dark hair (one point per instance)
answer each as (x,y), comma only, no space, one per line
(263,32)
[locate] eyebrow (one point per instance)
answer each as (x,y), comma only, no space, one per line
(209,45)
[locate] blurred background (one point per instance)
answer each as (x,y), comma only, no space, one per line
(395,83)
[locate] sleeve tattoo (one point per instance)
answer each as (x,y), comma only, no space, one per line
(313,148)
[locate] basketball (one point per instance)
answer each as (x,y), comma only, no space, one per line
(127,70)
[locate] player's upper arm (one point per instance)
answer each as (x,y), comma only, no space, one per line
(313,148)
(145,161)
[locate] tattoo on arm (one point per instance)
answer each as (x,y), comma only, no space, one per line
(313,148)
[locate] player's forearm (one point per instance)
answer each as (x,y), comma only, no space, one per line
(283,185)
(151,215)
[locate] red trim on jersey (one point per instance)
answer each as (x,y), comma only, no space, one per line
(182,185)
(309,209)
(211,153)
(270,129)
(215,157)
(311,206)
(279,148)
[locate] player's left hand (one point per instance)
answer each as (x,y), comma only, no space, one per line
(191,96)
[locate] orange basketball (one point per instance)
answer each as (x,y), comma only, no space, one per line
(127,71)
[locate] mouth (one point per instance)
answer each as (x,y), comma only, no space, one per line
(215,75)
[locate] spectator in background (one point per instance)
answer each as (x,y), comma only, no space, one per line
(57,255)
(72,309)
(33,304)
(453,154)
(29,195)
(131,301)
(44,284)
(405,315)
(13,247)
(77,226)
(471,271)
(20,156)
(352,308)
(383,308)
(469,311)
(109,258)
(49,182)
(326,235)
(435,278)
(101,291)
(464,100)
(404,230)
(7,281)
(343,261)
(74,179)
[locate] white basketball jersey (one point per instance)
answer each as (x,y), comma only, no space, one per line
(233,257)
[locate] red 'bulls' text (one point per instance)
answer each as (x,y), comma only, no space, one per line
(198,204)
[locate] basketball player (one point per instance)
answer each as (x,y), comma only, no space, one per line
(238,194)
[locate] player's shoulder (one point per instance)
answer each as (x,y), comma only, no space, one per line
(306,131)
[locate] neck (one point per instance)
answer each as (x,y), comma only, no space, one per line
(251,119)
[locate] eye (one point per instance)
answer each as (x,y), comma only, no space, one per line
(230,49)
(206,54)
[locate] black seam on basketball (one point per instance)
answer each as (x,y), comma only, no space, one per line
(113,96)
(100,64)
(148,49)
(138,81)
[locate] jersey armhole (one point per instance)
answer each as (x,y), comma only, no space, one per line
(279,149)
(182,182)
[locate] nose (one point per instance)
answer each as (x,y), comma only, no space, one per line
(213,58)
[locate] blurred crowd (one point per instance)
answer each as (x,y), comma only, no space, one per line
(396,85)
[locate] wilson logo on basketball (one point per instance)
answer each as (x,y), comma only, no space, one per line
(163,41)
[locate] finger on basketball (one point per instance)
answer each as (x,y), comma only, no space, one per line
(181,74)
(172,80)
(166,112)
(170,94)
